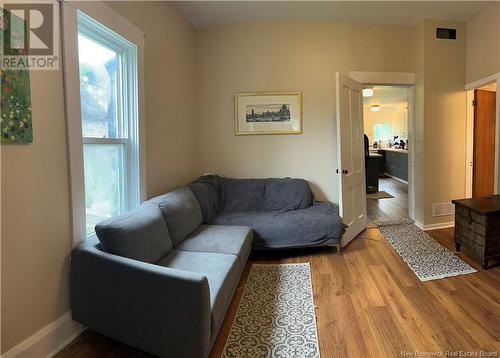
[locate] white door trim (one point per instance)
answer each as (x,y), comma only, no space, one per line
(403,79)
(482,82)
(383,78)
(411,152)
(469,144)
(469,165)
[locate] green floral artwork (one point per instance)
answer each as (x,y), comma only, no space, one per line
(15,100)
(16,125)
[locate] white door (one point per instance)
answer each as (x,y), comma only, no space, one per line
(351,157)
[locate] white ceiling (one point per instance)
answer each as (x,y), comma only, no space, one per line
(387,96)
(202,14)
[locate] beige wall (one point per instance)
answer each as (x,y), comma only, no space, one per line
(250,57)
(288,56)
(35,218)
(171,149)
(34,193)
(444,117)
(483,44)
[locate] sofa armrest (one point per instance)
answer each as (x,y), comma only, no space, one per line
(156,309)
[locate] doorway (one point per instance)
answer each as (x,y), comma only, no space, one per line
(483,141)
(387,153)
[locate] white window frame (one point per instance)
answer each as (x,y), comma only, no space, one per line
(88,16)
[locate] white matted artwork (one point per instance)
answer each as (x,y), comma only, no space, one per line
(268,113)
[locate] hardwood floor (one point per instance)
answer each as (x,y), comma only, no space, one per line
(390,208)
(370,304)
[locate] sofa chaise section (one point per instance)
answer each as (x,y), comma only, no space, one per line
(277,229)
(283,213)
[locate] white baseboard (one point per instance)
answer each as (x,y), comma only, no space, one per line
(48,341)
(435,226)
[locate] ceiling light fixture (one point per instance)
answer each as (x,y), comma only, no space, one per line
(375,108)
(367,92)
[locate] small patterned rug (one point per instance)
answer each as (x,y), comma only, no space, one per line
(379,195)
(276,315)
(428,259)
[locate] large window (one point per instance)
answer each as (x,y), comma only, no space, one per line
(382,132)
(109,121)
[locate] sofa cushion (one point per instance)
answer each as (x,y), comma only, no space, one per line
(234,240)
(181,211)
(140,234)
(287,194)
(311,226)
(206,191)
(242,195)
(222,271)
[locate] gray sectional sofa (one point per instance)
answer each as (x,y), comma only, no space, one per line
(161,277)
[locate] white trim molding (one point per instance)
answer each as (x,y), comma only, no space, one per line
(47,342)
(435,226)
(483,81)
(383,78)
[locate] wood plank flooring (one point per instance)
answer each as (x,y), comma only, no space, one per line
(370,304)
(389,208)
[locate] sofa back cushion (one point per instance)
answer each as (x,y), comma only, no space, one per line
(140,234)
(242,195)
(206,190)
(181,211)
(287,194)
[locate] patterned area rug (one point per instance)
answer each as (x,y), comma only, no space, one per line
(425,256)
(276,315)
(379,195)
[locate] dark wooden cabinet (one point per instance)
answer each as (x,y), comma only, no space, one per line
(477,227)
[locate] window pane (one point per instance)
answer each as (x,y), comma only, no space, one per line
(104,174)
(99,73)
(382,132)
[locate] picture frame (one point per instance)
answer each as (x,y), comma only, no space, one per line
(268,113)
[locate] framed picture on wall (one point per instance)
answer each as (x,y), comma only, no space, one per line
(268,113)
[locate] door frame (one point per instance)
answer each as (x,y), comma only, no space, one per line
(469,136)
(399,79)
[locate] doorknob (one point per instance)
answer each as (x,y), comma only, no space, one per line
(345,171)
